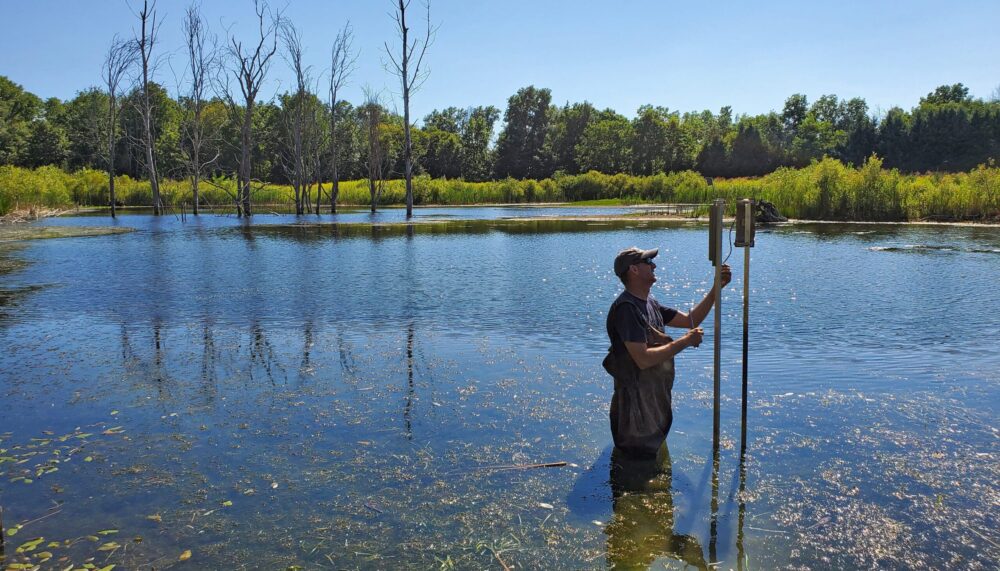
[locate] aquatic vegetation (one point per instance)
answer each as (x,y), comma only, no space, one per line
(22,233)
(826,189)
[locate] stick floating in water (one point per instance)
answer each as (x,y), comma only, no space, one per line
(523,466)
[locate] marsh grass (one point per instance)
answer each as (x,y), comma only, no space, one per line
(824,190)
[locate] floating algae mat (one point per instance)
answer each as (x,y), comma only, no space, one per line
(216,394)
(18,232)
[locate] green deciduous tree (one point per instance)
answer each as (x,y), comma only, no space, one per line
(441,154)
(477,160)
(956,93)
(606,146)
(47,144)
(85,122)
(649,140)
(749,156)
(520,147)
(18,108)
(449,120)
(567,126)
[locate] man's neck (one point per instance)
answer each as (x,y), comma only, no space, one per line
(640,291)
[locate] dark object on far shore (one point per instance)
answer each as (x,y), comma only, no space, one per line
(767,213)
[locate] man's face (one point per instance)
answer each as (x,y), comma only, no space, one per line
(645,271)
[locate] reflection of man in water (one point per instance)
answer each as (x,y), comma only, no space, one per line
(641,357)
(642,528)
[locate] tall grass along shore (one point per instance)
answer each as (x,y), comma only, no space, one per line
(824,190)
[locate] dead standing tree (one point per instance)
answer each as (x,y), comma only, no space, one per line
(377,162)
(301,134)
(315,137)
(116,63)
(144,44)
(249,67)
(296,122)
(202,59)
(342,60)
(407,68)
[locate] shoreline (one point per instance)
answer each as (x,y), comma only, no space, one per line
(19,217)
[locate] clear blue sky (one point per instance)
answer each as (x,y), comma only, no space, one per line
(683,55)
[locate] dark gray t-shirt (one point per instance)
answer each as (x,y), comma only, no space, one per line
(627,322)
(641,407)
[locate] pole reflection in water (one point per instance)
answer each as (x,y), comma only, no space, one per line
(410,389)
(305,367)
(713,541)
(158,366)
(741,494)
(209,363)
(741,501)
(642,528)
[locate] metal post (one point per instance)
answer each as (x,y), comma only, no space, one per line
(719,208)
(746,340)
(745,232)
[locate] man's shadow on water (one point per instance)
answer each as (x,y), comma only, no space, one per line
(641,527)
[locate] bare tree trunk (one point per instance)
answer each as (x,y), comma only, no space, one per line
(293,54)
(111,135)
(144,47)
(410,81)
(408,142)
(342,60)
(116,63)
(376,150)
(249,67)
(111,145)
(245,141)
(201,63)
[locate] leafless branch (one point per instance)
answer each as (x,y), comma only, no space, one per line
(342,62)
(248,66)
(411,80)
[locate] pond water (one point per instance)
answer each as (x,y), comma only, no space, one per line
(335,393)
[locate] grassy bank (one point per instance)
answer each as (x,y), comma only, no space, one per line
(825,190)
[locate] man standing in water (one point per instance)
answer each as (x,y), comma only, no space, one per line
(641,357)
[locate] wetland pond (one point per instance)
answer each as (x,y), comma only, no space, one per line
(335,392)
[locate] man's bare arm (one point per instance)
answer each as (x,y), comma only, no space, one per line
(646,356)
(700,311)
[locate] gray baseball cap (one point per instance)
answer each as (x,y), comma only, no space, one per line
(631,256)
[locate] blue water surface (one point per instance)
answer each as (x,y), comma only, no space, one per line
(352,391)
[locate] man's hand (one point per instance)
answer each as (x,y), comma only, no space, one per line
(693,336)
(727,275)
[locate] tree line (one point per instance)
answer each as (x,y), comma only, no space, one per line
(216,128)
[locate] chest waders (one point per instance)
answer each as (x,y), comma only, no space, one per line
(641,412)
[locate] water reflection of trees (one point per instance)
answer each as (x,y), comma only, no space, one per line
(262,353)
(152,371)
(305,366)
(209,360)
(10,298)
(307,232)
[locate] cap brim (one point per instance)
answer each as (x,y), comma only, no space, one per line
(649,254)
